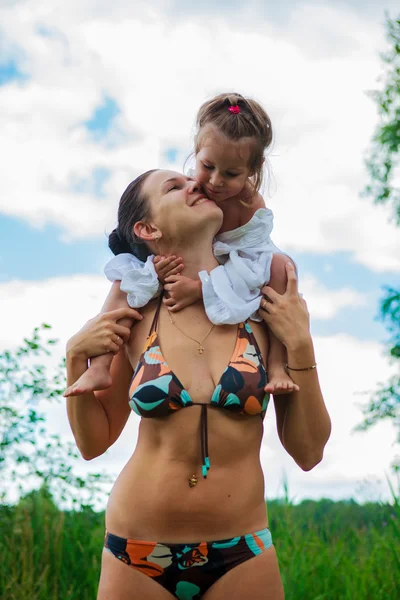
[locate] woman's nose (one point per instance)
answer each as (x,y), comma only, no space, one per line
(194,186)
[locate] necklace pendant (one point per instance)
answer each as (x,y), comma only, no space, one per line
(193,481)
(200,349)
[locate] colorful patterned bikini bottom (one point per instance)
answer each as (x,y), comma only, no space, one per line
(188,570)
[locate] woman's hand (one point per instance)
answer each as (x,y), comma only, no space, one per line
(102,334)
(286,314)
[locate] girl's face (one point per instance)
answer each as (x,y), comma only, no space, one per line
(222,164)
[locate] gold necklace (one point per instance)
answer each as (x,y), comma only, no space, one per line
(201,348)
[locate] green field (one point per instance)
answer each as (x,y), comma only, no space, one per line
(327,550)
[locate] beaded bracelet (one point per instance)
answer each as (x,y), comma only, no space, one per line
(305,369)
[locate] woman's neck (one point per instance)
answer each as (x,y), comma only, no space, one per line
(195,258)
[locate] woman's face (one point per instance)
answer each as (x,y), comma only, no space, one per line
(179,207)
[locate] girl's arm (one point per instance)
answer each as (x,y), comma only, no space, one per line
(303,422)
(97,418)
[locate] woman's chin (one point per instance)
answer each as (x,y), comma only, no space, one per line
(210,212)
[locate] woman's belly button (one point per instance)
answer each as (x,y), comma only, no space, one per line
(171,496)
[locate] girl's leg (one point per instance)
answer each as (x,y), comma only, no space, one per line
(279,381)
(98,377)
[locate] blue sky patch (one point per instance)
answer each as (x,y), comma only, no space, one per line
(35,254)
(360,322)
(171,155)
(9,71)
(101,122)
(45,31)
(92,185)
(339,269)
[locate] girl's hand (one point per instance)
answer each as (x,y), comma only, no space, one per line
(286,314)
(182,291)
(102,334)
(166,266)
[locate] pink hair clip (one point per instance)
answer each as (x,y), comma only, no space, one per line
(234,109)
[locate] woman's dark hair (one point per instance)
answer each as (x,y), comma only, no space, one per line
(133,207)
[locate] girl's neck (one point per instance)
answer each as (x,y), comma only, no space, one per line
(231,207)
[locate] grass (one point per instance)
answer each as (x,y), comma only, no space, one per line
(342,551)
(327,550)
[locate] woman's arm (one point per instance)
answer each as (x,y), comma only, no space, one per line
(303,421)
(302,418)
(97,418)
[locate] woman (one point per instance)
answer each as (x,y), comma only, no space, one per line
(187,513)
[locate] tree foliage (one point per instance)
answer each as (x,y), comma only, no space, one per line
(383,164)
(31,455)
(385,401)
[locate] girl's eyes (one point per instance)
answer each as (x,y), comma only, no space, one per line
(210,167)
(173,187)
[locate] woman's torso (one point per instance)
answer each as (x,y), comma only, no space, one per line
(151,498)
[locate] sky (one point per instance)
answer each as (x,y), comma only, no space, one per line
(93,93)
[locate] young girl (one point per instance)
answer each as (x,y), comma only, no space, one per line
(233,133)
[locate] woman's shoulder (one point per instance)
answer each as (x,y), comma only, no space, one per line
(148,313)
(140,331)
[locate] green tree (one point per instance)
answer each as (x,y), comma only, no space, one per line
(383,161)
(383,164)
(30,455)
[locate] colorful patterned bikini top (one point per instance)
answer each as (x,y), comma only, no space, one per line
(155,391)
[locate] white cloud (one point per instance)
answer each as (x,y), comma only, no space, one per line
(65,303)
(324,303)
(159,71)
(346,367)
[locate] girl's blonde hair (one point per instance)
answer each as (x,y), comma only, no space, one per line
(249,120)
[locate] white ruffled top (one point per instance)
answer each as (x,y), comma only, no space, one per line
(231,291)
(138,279)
